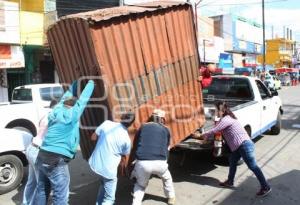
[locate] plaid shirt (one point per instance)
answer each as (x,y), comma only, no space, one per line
(232,131)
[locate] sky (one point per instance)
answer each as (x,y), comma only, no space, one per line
(278,13)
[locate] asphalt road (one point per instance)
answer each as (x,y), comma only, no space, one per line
(196,181)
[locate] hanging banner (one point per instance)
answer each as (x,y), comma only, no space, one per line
(11,57)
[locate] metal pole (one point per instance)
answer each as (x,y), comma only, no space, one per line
(196,22)
(264,35)
(272,32)
(203,50)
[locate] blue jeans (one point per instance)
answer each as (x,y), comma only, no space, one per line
(246,151)
(107,191)
(56,177)
(30,188)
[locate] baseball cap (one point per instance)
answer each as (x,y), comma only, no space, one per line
(159,113)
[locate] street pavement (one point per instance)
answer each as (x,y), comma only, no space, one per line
(196,178)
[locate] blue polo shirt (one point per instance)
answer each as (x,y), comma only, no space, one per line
(113,141)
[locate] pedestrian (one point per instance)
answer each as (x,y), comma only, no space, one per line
(113,146)
(206,75)
(151,153)
(240,145)
(60,146)
(31,154)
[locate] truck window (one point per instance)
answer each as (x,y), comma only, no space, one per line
(228,88)
(22,94)
(51,93)
(263,90)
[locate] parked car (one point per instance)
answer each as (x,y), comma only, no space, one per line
(285,79)
(13,144)
(29,103)
(269,80)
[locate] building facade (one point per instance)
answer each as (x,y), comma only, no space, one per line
(11,52)
(242,38)
(279,52)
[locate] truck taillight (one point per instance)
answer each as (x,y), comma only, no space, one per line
(217,151)
(218,136)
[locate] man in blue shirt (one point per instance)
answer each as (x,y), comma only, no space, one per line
(152,146)
(60,145)
(112,146)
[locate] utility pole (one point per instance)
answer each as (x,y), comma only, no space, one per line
(204,50)
(272,32)
(264,35)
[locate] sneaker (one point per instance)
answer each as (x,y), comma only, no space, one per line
(264,192)
(171,201)
(226,184)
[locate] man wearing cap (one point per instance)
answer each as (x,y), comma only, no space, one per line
(113,144)
(60,145)
(151,148)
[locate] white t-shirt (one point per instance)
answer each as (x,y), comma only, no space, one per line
(113,141)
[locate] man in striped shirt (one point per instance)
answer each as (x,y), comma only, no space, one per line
(239,143)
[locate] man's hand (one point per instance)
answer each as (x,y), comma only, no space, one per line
(122,165)
(94,137)
(197,135)
(200,78)
(73,88)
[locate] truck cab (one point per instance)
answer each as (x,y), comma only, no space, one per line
(29,104)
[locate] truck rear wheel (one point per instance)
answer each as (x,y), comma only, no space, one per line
(11,173)
(275,130)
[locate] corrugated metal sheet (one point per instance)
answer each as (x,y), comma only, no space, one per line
(147,58)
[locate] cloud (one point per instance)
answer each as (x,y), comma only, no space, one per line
(278,18)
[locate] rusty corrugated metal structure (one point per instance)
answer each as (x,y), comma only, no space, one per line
(141,57)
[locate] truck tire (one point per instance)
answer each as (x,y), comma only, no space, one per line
(23,125)
(275,130)
(11,173)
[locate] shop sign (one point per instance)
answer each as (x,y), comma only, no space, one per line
(11,57)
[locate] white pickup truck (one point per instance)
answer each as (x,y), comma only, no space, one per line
(256,107)
(29,103)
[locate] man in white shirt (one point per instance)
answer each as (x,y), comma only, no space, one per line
(113,144)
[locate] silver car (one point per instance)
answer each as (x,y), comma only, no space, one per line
(285,79)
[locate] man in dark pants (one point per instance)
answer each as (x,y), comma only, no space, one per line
(152,146)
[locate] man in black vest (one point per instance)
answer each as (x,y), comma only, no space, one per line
(152,146)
